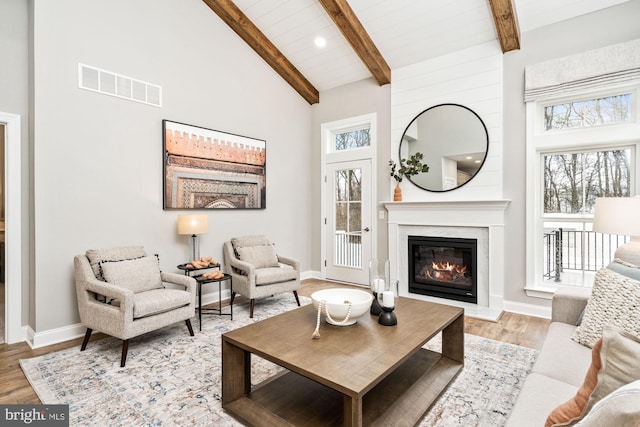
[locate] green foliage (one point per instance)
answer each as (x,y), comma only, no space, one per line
(408,168)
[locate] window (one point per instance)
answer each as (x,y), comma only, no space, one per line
(578,148)
(350,139)
(590,112)
(572,181)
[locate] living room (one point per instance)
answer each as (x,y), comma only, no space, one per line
(90,168)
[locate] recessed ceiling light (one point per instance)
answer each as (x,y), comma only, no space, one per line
(469,157)
(478,161)
(320,42)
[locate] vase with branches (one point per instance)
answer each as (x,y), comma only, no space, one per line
(407,167)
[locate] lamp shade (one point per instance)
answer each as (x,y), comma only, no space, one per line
(193,224)
(617,215)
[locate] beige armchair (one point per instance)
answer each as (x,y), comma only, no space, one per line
(258,271)
(121,292)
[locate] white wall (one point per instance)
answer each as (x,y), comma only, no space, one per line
(595,30)
(471,77)
(98,159)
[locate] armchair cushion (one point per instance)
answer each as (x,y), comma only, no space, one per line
(158,301)
(112,254)
(256,250)
(267,276)
(138,275)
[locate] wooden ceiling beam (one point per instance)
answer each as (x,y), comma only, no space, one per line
(248,32)
(357,36)
(506,22)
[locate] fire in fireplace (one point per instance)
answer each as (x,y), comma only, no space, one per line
(443,267)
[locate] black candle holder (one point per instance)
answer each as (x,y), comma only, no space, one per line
(376,308)
(387,317)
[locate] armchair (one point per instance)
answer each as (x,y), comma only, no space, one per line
(121,292)
(258,271)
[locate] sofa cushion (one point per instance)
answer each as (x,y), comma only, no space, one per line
(614,301)
(625,268)
(620,409)
(561,358)
(620,362)
(158,301)
(574,408)
(256,250)
(267,276)
(112,254)
(138,275)
(538,397)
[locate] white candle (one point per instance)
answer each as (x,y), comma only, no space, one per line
(387,299)
(378,285)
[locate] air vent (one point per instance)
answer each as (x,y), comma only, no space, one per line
(109,83)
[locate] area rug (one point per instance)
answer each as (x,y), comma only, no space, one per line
(173,379)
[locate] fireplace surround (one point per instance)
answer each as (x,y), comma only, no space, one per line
(482,220)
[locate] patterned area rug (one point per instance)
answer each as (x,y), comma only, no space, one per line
(173,379)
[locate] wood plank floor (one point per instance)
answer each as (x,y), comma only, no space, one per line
(14,387)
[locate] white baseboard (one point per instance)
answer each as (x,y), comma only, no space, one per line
(310,274)
(54,336)
(528,309)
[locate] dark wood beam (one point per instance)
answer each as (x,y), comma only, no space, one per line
(247,30)
(504,17)
(357,36)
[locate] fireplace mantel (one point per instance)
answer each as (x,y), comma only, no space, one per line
(475,217)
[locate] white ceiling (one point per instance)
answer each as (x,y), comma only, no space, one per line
(405,31)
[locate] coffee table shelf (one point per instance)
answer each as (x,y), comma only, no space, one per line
(378,385)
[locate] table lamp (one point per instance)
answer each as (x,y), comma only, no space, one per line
(194,225)
(620,215)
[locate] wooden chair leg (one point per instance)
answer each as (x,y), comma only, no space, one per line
(125,348)
(87,335)
(295,293)
(252,304)
(188,322)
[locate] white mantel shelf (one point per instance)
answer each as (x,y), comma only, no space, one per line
(458,217)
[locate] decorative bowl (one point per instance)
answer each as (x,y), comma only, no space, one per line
(336,301)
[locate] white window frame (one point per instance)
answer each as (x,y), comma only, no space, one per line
(540,142)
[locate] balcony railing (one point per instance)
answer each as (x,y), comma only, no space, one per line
(578,250)
(348,249)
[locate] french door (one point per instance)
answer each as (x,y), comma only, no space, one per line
(348,221)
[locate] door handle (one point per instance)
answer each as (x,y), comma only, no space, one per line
(365,229)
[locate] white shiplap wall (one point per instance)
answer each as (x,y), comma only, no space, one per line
(470,77)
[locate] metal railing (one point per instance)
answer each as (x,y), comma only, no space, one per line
(578,250)
(348,249)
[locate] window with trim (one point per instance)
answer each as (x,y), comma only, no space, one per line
(580,147)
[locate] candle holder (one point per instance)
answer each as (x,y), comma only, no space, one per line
(387,317)
(379,282)
(376,308)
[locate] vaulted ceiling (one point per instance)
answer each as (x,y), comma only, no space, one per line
(366,38)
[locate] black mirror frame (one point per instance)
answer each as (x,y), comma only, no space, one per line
(486,152)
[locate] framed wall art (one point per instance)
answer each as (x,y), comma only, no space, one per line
(209,169)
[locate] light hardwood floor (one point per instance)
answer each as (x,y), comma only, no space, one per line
(14,387)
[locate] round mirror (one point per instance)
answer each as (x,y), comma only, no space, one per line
(454,142)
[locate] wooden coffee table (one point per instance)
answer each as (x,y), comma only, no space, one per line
(365,374)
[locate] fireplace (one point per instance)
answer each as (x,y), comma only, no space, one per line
(443,267)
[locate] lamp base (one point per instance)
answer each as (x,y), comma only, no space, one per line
(630,252)
(195,247)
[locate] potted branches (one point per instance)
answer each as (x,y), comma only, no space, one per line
(407,167)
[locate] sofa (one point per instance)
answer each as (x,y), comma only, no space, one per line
(561,365)
(587,371)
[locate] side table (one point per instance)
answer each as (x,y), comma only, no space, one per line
(201,280)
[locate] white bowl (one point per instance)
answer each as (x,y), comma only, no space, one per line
(337,303)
